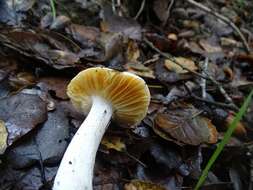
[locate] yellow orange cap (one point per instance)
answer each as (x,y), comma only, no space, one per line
(127,93)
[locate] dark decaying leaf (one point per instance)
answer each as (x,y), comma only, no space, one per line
(57,85)
(29,179)
(186,126)
(87,36)
(44,47)
(127,27)
(33,149)
(12,11)
(21,113)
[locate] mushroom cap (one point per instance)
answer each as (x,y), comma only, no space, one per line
(127,93)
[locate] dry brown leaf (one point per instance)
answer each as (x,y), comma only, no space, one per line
(142,185)
(114,143)
(3,137)
(140,69)
(239,130)
(188,63)
(208,47)
(186,126)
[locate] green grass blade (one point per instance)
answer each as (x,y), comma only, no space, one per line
(52,4)
(224,141)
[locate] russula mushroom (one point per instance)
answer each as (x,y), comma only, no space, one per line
(105,94)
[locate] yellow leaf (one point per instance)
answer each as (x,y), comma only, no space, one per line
(140,69)
(3,137)
(187,63)
(114,143)
(142,185)
(133,52)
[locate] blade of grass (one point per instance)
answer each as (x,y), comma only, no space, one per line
(224,141)
(52,4)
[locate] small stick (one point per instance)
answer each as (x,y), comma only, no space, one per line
(219,104)
(140,10)
(224,19)
(203,81)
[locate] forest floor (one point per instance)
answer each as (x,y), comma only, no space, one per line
(195,56)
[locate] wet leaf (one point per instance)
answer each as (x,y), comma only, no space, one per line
(188,63)
(87,36)
(142,185)
(114,143)
(127,27)
(161,10)
(3,137)
(56,84)
(21,113)
(54,50)
(186,126)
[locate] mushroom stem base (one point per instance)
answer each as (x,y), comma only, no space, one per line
(76,168)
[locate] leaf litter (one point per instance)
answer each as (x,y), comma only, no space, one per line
(40,55)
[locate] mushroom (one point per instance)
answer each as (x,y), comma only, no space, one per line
(105,94)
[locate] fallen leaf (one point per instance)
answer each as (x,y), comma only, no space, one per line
(114,143)
(187,63)
(140,69)
(161,10)
(87,36)
(239,130)
(209,47)
(133,52)
(127,27)
(142,185)
(165,76)
(21,113)
(56,84)
(3,137)
(186,126)
(21,80)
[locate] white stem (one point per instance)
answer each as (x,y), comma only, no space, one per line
(76,168)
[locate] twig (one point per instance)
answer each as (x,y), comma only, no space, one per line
(140,10)
(224,19)
(219,104)
(203,81)
(135,159)
(222,90)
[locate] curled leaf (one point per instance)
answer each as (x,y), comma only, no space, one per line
(186,126)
